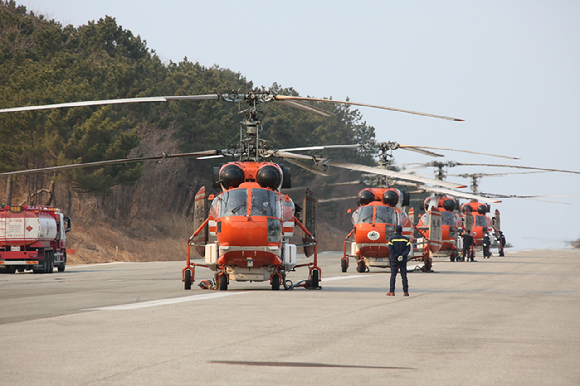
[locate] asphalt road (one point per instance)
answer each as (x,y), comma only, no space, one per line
(504,321)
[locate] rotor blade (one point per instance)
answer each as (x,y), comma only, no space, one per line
(393,174)
(519,167)
(463,151)
(320,201)
(370,169)
(112,101)
(305,107)
(322,147)
(478,175)
(539,196)
(357,182)
(453,163)
(311,169)
(422,151)
(285,97)
(533,198)
(460,194)
(211,156)
(112,162)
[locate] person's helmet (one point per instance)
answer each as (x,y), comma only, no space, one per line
(398,229)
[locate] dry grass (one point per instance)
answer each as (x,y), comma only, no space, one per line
(163,239)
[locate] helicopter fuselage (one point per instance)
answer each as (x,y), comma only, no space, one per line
(481,223)
(253,226)
(374,224)
(450,225)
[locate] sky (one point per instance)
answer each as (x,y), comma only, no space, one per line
(509,68)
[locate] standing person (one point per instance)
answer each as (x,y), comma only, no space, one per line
(467,244)
(486,244)
(399,248)
(501,243)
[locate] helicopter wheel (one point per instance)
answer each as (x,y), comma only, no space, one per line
(223,282)
(361,267)
(344,265)
(315,279)
(187,279)
(276,282)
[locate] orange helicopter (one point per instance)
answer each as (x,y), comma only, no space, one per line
(253,223)
(473,214)
(250,218)
(374,222)
(438,227)
(451,224)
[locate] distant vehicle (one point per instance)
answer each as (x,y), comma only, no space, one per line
(32,238)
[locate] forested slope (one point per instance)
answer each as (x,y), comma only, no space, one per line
(141,205)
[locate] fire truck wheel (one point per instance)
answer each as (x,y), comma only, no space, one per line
(344,265)
(187,279)
(315,279)
(10,269)
(276,282)
(223,281)
(62,266)
(48,262)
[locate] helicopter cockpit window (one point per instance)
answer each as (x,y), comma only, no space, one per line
(265,203)
(288,209)
(233,203)
(364,214)
(385,214)
(447,218)
(480,221)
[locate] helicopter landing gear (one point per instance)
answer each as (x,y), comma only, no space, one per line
(187,279)
(361,266)
(428,265)
(276,278)
(314,279)
(222,281)
(344,264)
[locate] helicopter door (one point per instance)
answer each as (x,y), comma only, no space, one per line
(468,221)
(496,223)
(309,220)
(199,216)
(435,232)
(412,215)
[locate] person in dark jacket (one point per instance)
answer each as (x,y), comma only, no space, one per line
(486,241)
(399,248)
(502,242)
(467,244)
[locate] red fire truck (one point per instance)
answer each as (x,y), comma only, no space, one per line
(32,238)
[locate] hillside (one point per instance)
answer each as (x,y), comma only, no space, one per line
(138,210)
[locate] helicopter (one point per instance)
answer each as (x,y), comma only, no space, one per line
(374,221)
(474,215)
(451,224)
(251,219)
(372,229)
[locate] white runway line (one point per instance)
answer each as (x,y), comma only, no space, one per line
(163,302)
(344,277)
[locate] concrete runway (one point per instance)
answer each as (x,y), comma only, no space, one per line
(503,321)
